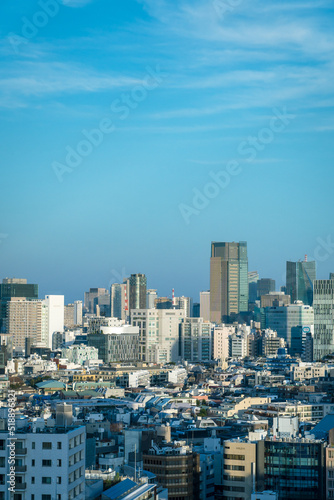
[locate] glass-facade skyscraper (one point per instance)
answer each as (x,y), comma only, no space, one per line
(138,287)
(299,281)
(228,280)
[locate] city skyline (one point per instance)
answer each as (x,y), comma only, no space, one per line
(136,133)
(179,291)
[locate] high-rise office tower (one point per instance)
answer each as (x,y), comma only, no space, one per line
(228,280)
(299,280)
(323,343)
(26,319)
(265,286)
(14,287)
(138,285)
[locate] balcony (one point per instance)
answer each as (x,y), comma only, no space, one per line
(20,451)
(20,486)
(20,468)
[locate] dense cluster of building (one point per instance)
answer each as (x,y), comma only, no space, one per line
(128,395)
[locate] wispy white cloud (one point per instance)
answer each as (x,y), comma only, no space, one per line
(76,3)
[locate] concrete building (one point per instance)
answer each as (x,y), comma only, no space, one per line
(151,295)
(243,468)
(96,322)
(289,322)
(116,344)
(195,340)
(158,334)
(175,468)
(277,299)
(220,341)
(49,461)
(55,305)
(237,345)
(323,318)
(138,285)
(299,280)
(204,300)
(265,286)
(27,319)
(78,354)
(185,304)
(228,280)
(11,288)
(90,299)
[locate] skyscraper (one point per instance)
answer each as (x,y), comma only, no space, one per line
(265,286)
(299,280)
(228,280)
(138,285)
(323,318)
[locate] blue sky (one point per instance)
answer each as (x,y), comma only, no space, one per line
(224,70)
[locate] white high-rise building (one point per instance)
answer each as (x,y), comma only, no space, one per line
(220,341)
(158,333)
(204,305)
(78,312)
(151,295)
(55,305)
(323,303)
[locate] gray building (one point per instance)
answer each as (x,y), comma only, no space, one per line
(265,286)
(323,318)
(195,340)
(116,344)
(138,285)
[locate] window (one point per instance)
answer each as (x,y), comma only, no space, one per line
(32,480)
(32,497)
(58,480)
(59,445)
(2,462)
(47,445)
(33,463)
(46,463)
(2,444)
(59,462)
(46,480)
(46,497)
(33,445)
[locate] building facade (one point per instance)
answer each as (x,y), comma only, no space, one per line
(228,280)
(299,281)
(323,318)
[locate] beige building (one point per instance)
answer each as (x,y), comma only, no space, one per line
(27,318)
(243,468)
(204,305)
